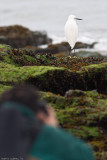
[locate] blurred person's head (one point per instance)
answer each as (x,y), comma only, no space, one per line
(28,96)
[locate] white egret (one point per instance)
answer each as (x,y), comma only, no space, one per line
(71,30)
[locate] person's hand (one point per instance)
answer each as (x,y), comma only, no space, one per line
(49,119)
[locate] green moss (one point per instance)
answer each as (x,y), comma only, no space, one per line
(17,57)
(5,65)
(93,94)
(86,132)
(4,48)
(4,88)
(94,68)
(102,102)
(59,102)
(91,131)
(78,132)
(64,119)
(30,59)
(22,74)
(75,101)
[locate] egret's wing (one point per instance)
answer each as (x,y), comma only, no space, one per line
(71,32)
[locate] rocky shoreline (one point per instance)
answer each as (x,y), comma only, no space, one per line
(75,85)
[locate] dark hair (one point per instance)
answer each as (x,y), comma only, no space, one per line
(26,95)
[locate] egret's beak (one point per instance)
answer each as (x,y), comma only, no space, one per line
(78,19)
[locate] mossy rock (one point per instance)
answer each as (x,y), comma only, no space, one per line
(18,57)
(87,106)
(24,57)
(84,113)
(4,57)
(55,79)
(93,77)
(89,77)
(4,48)
(55,100)
(44,77)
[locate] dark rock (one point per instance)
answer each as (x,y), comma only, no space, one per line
(19,37)
(79,45)
(40,38)
(64,47)
(60,47)
(74,93)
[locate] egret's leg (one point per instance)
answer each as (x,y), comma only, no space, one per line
(70,52)
(73,54)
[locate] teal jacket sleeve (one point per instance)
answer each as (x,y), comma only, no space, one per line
(56,144)
(81,151)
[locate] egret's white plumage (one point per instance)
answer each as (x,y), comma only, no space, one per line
(71,31)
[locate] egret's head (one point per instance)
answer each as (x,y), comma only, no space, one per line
(74,17)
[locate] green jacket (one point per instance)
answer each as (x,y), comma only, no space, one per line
(54,143)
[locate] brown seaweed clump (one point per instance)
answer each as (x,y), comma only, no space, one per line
(26,57)
(75,63)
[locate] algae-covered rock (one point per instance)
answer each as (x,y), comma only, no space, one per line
(18,36)
(23,57)
(90,104)
(54,79)
(93,77)
(85,114)
(18,57)
(44,77)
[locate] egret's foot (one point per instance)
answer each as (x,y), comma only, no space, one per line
(73,53)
